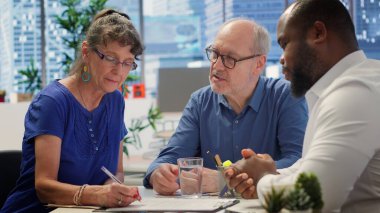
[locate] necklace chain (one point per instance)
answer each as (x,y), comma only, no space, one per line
(80,94)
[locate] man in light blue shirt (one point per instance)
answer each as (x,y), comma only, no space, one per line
(240,109)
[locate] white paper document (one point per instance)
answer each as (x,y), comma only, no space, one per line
(247,206)
(177,204)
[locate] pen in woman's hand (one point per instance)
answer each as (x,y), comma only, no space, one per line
(114,178)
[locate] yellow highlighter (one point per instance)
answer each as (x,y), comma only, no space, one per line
(221,166)
(227,163)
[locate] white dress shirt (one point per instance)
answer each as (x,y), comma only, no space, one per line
(342,139)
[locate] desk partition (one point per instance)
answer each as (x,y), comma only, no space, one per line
(175,86)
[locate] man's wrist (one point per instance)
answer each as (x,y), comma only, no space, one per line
(263,174)
(147,181)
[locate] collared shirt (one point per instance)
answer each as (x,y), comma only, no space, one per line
(342,138)
(272,122)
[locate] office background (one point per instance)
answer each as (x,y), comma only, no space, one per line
(175,33)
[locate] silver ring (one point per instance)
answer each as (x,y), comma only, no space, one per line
(120,201)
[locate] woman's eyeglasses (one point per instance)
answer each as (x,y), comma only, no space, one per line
(112,61)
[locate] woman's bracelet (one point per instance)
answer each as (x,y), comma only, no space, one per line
(78,195)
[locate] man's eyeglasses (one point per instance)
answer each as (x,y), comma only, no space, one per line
(112,61)
(227,61)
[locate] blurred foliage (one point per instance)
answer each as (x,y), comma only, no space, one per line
(310,183)
(305,195)
(298,199)
(30,79)
(76,19)
(138,125)
(130,78)
(274,200)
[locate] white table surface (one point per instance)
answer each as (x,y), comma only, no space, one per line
(244,206)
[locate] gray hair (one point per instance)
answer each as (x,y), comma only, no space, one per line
(260,38)
(109,26)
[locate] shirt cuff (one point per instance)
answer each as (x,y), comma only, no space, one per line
(146,182)
(264,186)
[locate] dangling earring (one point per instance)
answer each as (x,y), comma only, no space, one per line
(86,76)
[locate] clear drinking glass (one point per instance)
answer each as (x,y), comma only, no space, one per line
(190,176)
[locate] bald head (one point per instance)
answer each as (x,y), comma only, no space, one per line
(255,36)
(302,14)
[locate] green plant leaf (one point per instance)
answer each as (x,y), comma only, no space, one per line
(298,199)
(138,125)
(309,182)
(76,19)
(154,114)
(274,200)
(31,80)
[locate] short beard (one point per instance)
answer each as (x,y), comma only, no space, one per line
(305,72)
(301,82)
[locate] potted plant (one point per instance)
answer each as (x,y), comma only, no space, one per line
(298,201)
(274,200)
(31,81)
(138,125)
(310,183)
(305,196)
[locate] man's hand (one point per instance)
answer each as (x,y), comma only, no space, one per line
(246,153)
(190,182)
(243,185)
(210,180)
(164,179)
(254,165)
(244,174)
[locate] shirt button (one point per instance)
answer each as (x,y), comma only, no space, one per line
(92,135)
(90,121)
(236,122)
(90,130)
(96,148)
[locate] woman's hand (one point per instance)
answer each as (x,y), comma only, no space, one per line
(116,195)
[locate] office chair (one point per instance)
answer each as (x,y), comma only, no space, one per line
(10,161)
